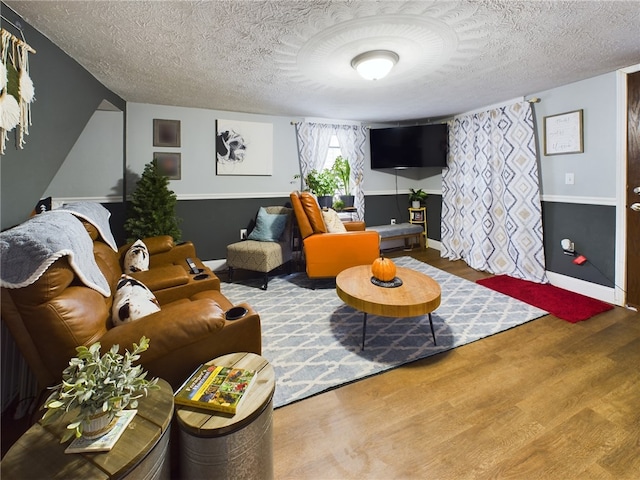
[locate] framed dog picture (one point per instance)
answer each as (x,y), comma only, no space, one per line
(244,148)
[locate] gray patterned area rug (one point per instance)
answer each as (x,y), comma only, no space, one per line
(313,339)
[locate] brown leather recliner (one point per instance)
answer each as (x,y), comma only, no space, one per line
(51,317)
(327,254)
(168,272)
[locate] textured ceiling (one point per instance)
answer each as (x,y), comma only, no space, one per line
(293,57)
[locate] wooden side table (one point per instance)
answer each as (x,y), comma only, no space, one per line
(240,446)
(141,452)
(418,216)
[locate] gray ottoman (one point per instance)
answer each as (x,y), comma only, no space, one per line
(401,231)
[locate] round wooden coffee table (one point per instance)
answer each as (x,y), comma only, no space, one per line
(419,294)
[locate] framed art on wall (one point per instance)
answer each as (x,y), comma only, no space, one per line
(166,133)
(563,133)
(168,164)
(244,148)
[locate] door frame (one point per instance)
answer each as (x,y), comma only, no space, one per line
(620,297)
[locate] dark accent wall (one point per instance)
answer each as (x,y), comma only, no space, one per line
(593,230)
(66,97)
(380,209)
(213,224)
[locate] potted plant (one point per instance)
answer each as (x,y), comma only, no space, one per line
(338,205)
(416,197)
(342,170)
(323,185)
(152,194)
(95,389)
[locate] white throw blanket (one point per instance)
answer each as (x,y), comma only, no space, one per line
(96,215)
(26,251)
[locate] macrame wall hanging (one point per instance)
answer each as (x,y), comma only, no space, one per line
(16,89)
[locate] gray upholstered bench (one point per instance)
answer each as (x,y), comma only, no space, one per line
(401,231)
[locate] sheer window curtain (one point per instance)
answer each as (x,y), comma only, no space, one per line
(491,211)
(313,145)
(352,139)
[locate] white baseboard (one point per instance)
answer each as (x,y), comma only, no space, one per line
(593,290)
(216,265)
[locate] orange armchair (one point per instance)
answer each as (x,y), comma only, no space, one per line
(327,254)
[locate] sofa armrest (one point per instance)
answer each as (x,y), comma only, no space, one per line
(159,278)
(354,226)
(185,335)
(176,255)
(328,254)
(174,326)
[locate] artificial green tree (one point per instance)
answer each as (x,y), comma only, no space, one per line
(153,207)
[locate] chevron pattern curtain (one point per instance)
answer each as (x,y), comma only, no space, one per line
(491,211)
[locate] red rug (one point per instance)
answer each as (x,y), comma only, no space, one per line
(564,304)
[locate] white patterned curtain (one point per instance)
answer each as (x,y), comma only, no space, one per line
(491,212)
(352,139)
(313,145)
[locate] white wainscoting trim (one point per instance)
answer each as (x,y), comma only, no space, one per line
(611,201)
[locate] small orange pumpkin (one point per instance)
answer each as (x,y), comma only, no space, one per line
(383,269)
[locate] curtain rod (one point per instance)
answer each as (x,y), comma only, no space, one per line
(531,100)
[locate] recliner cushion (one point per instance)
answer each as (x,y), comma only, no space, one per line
(314,214)
(132,300)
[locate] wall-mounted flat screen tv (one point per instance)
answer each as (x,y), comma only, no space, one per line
(409,147)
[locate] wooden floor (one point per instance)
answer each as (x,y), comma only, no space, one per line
(545,400)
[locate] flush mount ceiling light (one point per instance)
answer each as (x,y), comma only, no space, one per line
(375,64)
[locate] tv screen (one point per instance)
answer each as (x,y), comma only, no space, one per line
(409,147)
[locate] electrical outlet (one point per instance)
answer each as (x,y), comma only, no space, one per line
(243,234)
(568,179)
(393,221)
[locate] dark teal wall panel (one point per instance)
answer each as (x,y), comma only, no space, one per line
(593,230)
(380,209)
(213,224)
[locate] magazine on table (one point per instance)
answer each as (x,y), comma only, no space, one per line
(215,387)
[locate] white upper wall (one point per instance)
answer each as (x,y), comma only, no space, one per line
(198,152)
(595,169)
(93,169)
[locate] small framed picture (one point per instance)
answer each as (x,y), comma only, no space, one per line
(168,164)
(166,133)
(563,133)
(417,216)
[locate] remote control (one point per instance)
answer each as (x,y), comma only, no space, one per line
(192,266)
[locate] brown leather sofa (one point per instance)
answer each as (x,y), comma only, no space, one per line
(327,254)
(51,317)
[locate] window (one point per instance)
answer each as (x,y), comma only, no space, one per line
(333,152)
